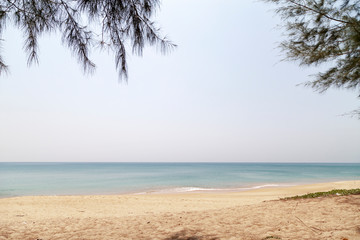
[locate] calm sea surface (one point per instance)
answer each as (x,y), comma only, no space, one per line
(22,179)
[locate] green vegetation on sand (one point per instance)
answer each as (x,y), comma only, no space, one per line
(335,192)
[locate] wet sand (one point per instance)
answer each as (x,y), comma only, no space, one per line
(256,214)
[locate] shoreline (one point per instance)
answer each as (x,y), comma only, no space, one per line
(241,189)
(24,179)
(204,190)
(268,191)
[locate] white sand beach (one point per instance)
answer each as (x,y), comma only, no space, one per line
(256,214)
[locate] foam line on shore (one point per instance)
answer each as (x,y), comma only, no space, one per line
(202,189)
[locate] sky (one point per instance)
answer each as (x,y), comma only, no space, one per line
(223,95)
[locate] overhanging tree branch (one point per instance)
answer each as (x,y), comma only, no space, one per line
(120,23)
(324,31)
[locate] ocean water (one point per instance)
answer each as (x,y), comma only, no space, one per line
(24,179)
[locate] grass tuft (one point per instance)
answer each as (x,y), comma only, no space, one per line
(335,192)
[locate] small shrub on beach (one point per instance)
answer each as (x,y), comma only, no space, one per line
(335,192)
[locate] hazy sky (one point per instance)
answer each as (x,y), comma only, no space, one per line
(222,95)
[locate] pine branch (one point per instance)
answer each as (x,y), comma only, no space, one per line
(318,12)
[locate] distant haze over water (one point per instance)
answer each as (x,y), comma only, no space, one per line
(22,179)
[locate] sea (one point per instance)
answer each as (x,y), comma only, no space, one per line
(34,179)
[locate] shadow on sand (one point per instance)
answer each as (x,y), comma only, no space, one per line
(185,235)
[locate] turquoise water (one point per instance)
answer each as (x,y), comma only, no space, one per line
(22,179)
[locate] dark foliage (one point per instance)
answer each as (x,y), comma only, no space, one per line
(322,31)
(84,25)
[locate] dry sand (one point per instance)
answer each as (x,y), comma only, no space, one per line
(256,214)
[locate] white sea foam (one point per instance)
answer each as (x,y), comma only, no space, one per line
(201,189)
(193,189)
(181,190)
(267,185)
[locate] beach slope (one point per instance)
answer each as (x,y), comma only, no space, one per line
(256,214)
